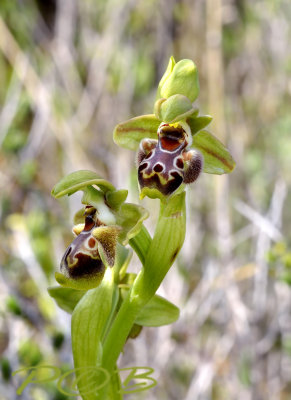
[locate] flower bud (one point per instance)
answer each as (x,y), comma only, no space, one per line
(182,79)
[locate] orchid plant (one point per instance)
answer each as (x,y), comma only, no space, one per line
(109,304)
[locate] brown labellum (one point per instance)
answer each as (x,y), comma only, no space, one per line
(82,258)
(165,164)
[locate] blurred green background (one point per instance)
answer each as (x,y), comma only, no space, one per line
(69,71)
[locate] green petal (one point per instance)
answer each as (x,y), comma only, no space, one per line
(128,134)
(157,312)
(175,108)
(217,159)
(77,181)
(66,298)
(96,199)
(198,123)
(79,217)
(130,217)
(116,198)
(182,80)
(157,107)
(167,73)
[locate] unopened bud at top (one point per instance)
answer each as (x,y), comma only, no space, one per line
(180,78)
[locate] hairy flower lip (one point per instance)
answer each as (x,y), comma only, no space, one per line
(86,258)
(107,218)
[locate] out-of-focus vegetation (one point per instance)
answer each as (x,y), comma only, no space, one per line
(69,71)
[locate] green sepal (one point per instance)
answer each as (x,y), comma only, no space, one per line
(66,298)
(175,108)
(167,73)
(128,134)
(80,283)
(116,198)
(198,123)
(183,79)
(77,180)
(157,107)
(217,159)
(157,312)
(130,217)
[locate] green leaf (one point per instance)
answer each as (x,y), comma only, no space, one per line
(128,134)
(130,217)
(78,180)
(158,312)
(175,108)
(198,123)
(89,322)
(183,79)
(167,73)
(217,159)
(66,298)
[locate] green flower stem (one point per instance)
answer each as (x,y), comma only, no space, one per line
(141,243)
(166,244)
(89,321)
(114,389)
